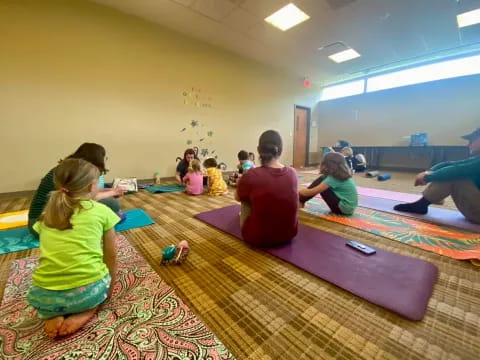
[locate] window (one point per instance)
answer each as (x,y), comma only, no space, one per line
(421,74)
(343,90)
(469,18)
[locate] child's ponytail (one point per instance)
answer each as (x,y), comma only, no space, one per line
(72,180)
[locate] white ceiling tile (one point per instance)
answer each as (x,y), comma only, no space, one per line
(214,9)
(241,20)
(313,7)
(184,2)
(264,8)
(267,34)
(337,4)
(382,31)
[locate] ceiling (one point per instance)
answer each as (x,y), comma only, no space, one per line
(383,31)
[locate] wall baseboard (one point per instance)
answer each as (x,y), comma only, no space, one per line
(30,193)
(17,194)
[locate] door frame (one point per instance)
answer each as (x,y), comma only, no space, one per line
(295,107)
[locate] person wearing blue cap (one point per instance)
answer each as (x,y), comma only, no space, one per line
(458,179)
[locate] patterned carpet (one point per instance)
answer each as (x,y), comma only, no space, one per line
(442,240)
(263,308)
(144,319)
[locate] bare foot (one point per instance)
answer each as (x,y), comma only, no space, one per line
(75,322)
(52,326)
(301,205)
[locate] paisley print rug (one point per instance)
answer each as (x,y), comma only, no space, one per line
(447,241)
(144,320)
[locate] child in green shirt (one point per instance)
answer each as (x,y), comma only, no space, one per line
(77,251)
(335,185)
(244,164)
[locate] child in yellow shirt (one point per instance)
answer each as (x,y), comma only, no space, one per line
(216,185)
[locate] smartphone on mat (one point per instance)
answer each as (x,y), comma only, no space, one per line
(361,247)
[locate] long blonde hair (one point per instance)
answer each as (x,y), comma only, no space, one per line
(195,166)
(334,164)
(72,179)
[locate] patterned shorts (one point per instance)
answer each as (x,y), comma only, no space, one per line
(52,303)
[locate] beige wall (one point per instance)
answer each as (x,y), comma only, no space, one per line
(73,71)
(444,109)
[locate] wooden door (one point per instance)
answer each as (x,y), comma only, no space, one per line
(300,137)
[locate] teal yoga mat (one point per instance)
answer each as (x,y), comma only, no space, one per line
(135,218)
(16,240)
(21,239)
(164,188)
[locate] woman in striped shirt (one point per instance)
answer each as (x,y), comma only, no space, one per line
(91,152)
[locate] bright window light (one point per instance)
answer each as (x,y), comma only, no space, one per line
(343,90)
(287,17)
(421,74)
(344,55)
(468,18)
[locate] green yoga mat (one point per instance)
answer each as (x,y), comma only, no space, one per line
(164,188)
(17,240)
(21,239)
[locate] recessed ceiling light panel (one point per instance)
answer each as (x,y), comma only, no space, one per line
(287,17)
(344,55)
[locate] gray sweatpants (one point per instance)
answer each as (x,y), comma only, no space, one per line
(465,195)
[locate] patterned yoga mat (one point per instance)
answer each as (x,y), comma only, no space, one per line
(20,239)
(144,320)
(451,242)
(13,219)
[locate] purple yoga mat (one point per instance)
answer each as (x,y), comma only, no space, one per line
(385,194)
(434,215)
(398,283)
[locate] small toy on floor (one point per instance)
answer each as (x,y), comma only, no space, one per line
(175,255)
(372,174)
(384,177)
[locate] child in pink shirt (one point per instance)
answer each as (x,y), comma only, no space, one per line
(194,178)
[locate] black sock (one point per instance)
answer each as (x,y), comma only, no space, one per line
(418,207)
